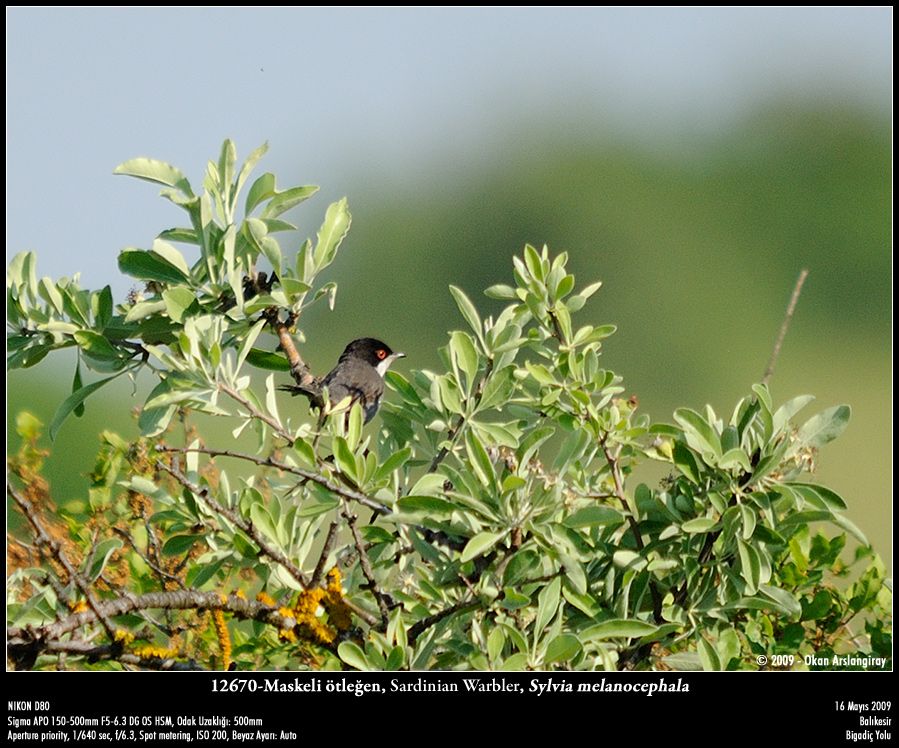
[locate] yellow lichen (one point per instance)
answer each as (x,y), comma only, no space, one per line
(78,607)
(126,637)
(221,631)
(333,602)
(266,599)
(150,652)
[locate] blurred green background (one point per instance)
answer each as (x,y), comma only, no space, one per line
(698,233)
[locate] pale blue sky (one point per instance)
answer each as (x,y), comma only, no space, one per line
(361,98)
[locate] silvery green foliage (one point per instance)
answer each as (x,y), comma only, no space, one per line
(508,532)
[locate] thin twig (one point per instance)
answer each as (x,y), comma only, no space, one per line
(256,413)
(791,307)
(44,538)
(306,475)
(319,572)
(614,466)
(454,432)
(365,563)
(275,554)
(146,559)
(418,628)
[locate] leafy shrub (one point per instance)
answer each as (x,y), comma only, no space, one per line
(488,519)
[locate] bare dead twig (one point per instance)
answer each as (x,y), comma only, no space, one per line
(785,325)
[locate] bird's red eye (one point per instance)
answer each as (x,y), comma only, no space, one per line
(381,354)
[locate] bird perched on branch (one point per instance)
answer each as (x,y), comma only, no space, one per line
(359,375)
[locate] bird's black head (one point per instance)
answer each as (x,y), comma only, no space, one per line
(372,352)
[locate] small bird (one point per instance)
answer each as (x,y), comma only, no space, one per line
(359,375)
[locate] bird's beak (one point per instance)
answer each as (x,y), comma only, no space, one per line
(399,355)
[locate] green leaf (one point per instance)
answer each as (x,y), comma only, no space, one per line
(750,565)
(352,654)
(262,188)
(272,251)
(392,463)
(515,663)
(177,301)
(699,525)
(155,171)
(594,515)
(851,528)
(480,544)
(707,655)
(820,497)
(95,345)
(685,461)
(284,201)
(426,505)
(825,427)
(699,434)
(466,356)
(143,309)
(248,166)
(449,394)
(267,360)
(198,575)
(547,604)
(480,461)
(72,402)
(735,458)
(790,408)
(563,648)
(171,255)
(77,384)
(149,266)
(468,310)
(330,235)
(523,564)
(262,518)
(783,599)
(101,555)
(50,293)
(629,628)
(501,291)
(495,643)
(749,520)
(346,461)
(178,544)
(499,388)
(682,661)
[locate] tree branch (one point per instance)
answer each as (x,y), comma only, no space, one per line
(614,466)
(275,554)
(299,370)
(418,628)
(25,643)
(365,563)
(256,413)
(306,475)
(785,325)
(319,572)
(44,538)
